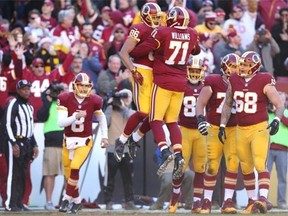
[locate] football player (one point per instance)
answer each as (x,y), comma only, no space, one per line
(251,91)
(75,112)
(212,97)
(193,142)
(172,46)
(141,69)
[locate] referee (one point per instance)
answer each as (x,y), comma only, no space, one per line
(21,145)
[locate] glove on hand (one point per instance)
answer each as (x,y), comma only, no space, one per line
(274,126)
(202,125)
(221,134)
(137,76)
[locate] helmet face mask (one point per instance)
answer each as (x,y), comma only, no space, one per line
(230,64)
(82,85)
(250,64)
(151,14)
(178,17)
(195,70)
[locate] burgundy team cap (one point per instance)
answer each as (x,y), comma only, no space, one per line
(106,9)
(231,31)
(37,61)
(49,2)
(204,37)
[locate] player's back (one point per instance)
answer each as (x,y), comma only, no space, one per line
(171,56)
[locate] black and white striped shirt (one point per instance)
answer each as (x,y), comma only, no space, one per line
(19,119)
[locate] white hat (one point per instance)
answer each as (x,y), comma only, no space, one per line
(127,91)
(44,40)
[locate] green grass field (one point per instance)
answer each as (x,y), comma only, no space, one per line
(141,212)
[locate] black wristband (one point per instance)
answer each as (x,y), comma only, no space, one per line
(200,118)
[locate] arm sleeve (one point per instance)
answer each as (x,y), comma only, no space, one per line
(64,120)
(43,112)
(102,124)
(66,64)
(108,113)
(10,115)
(95,64)
(18,66)
(284,120)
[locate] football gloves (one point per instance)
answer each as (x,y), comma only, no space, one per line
(221,134)
(202,125)
(274,126)
(137,76)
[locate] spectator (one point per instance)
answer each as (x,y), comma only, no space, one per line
(46,16)
(269,11)
(236,21)
(117,114)
(119,35)
(53,138)
(64,34)
(110,79)
(210,26)
(278,154)
(84,12)
(206,43)
(4,31)
(20,143)
(220,16)
(96,47)
(35,26)
(266,46)
(12,63)
(6,79)
(126,12)
(48,54)
(107,33)
(251,20)
(231,45)
(207,6)
(91,64)
(280,34)
(101,22)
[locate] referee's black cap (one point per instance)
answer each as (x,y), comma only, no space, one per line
(22,83)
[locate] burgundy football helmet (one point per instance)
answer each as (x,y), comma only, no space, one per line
(249,64)
(230,64)
(195,69)
(151,14)
(178,17)
(83,80)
